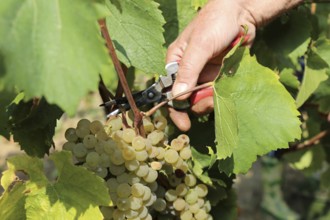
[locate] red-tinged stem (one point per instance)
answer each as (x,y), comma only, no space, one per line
(156,107)
(137,114)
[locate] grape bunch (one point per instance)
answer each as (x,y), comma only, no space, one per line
(148,178)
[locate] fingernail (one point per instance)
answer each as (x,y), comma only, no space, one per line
(179,87)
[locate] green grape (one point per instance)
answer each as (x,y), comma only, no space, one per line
(118,215)
(178,163)
(81,132)
(92,159)
(102,135)
(109,146)
(168,169)
(131,214)
(148,217)
(186,215)
(156,165)
(113,197)
(153,152)
(70,135)
(184,167)
(117,158)
(107,212)
(123,178)
(138,189)
(185,139)
(161,153)
(117,135)
(104,160)
(129,153)
(141,155)
(142,170)
(179,204)
(83,123)
(134,178)
(68,146)
(135,203)
(191,197)
(181,189)
(170,195)
(138,143)
(185,153)
(151,176)
(155,137)
(200,202)
(147,125)
(90,141)
(201,190)
(171,156)
(143,212)
(193,208)
(116,170)
(149,201)
(160,122)
(96,126)
(79,150)
(159,205)
(99,147)
(160,192)
(132,165)
(128,135)
(190,180)
(147,194)
(153,186)
(177,144)
(123,204)
(124,190)
(101,172)
(201,214)
(207,206)
(115,123)
(112,184)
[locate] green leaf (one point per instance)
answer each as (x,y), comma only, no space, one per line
(254,114)
(315,73)
(178,14)
(226,208)
(137,33)
(322,96)
(288,78)
(325,179)
(198,3)
(5,99)
(33,125)
(283,41)
(74,193)
(12,202)
(52,49)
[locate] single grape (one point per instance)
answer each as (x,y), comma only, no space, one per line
(138,143)
(151,176)
(79,150)
(201,214)
(132,165)
(131,214)
(81,132)
(138,189)
(123,204)
(109,146)
(185,139)
(83,123)
(112,184)
(96,126)
(116,170)
(155,137)
(115,123)
(160,122)
(123,178)
(102,135)
(104,160)
(177,144)
(171,156)
(153,186)
(92,159)
(143,212)
(128,135)
(135,202)
(201,190)
(129,153)
(156,165)
(70,135)
(147,125)
(161,153)
(141,155)
(90,141)
(68,146)
(191,197)
(147,194)
(186,215)
(159,205)
(101,172)
(117,158)
(207,206)
(193,208)
(118,215)
(179,204)
(174,181)
(153,152)
(185,153)
(142,171)
(190,180)
(181,189)
(170,195)
(124,190)
(178,163)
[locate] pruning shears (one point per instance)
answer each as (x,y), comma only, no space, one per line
(157,92)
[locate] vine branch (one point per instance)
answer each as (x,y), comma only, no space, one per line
(312,141)
(121,75)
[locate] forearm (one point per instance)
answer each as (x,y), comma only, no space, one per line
(264,11)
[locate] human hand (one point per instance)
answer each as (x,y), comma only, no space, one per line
(201,47)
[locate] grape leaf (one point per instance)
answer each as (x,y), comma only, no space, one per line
(177,14)
(322,96)
(254,114)
(198,3)
(288,78)
(5,99)
(52,48)
(315,73)
(137,33)
(75,193)
(33,125)
(283,41)
(12,202)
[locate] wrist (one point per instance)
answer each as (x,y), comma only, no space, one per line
(264,11)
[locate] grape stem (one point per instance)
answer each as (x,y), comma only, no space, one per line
(156,107)
(138,125)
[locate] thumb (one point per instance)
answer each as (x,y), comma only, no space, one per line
(191,65)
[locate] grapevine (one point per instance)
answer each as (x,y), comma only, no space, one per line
(147,178)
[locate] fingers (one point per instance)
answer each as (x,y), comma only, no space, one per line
(204,106)
(180,119)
